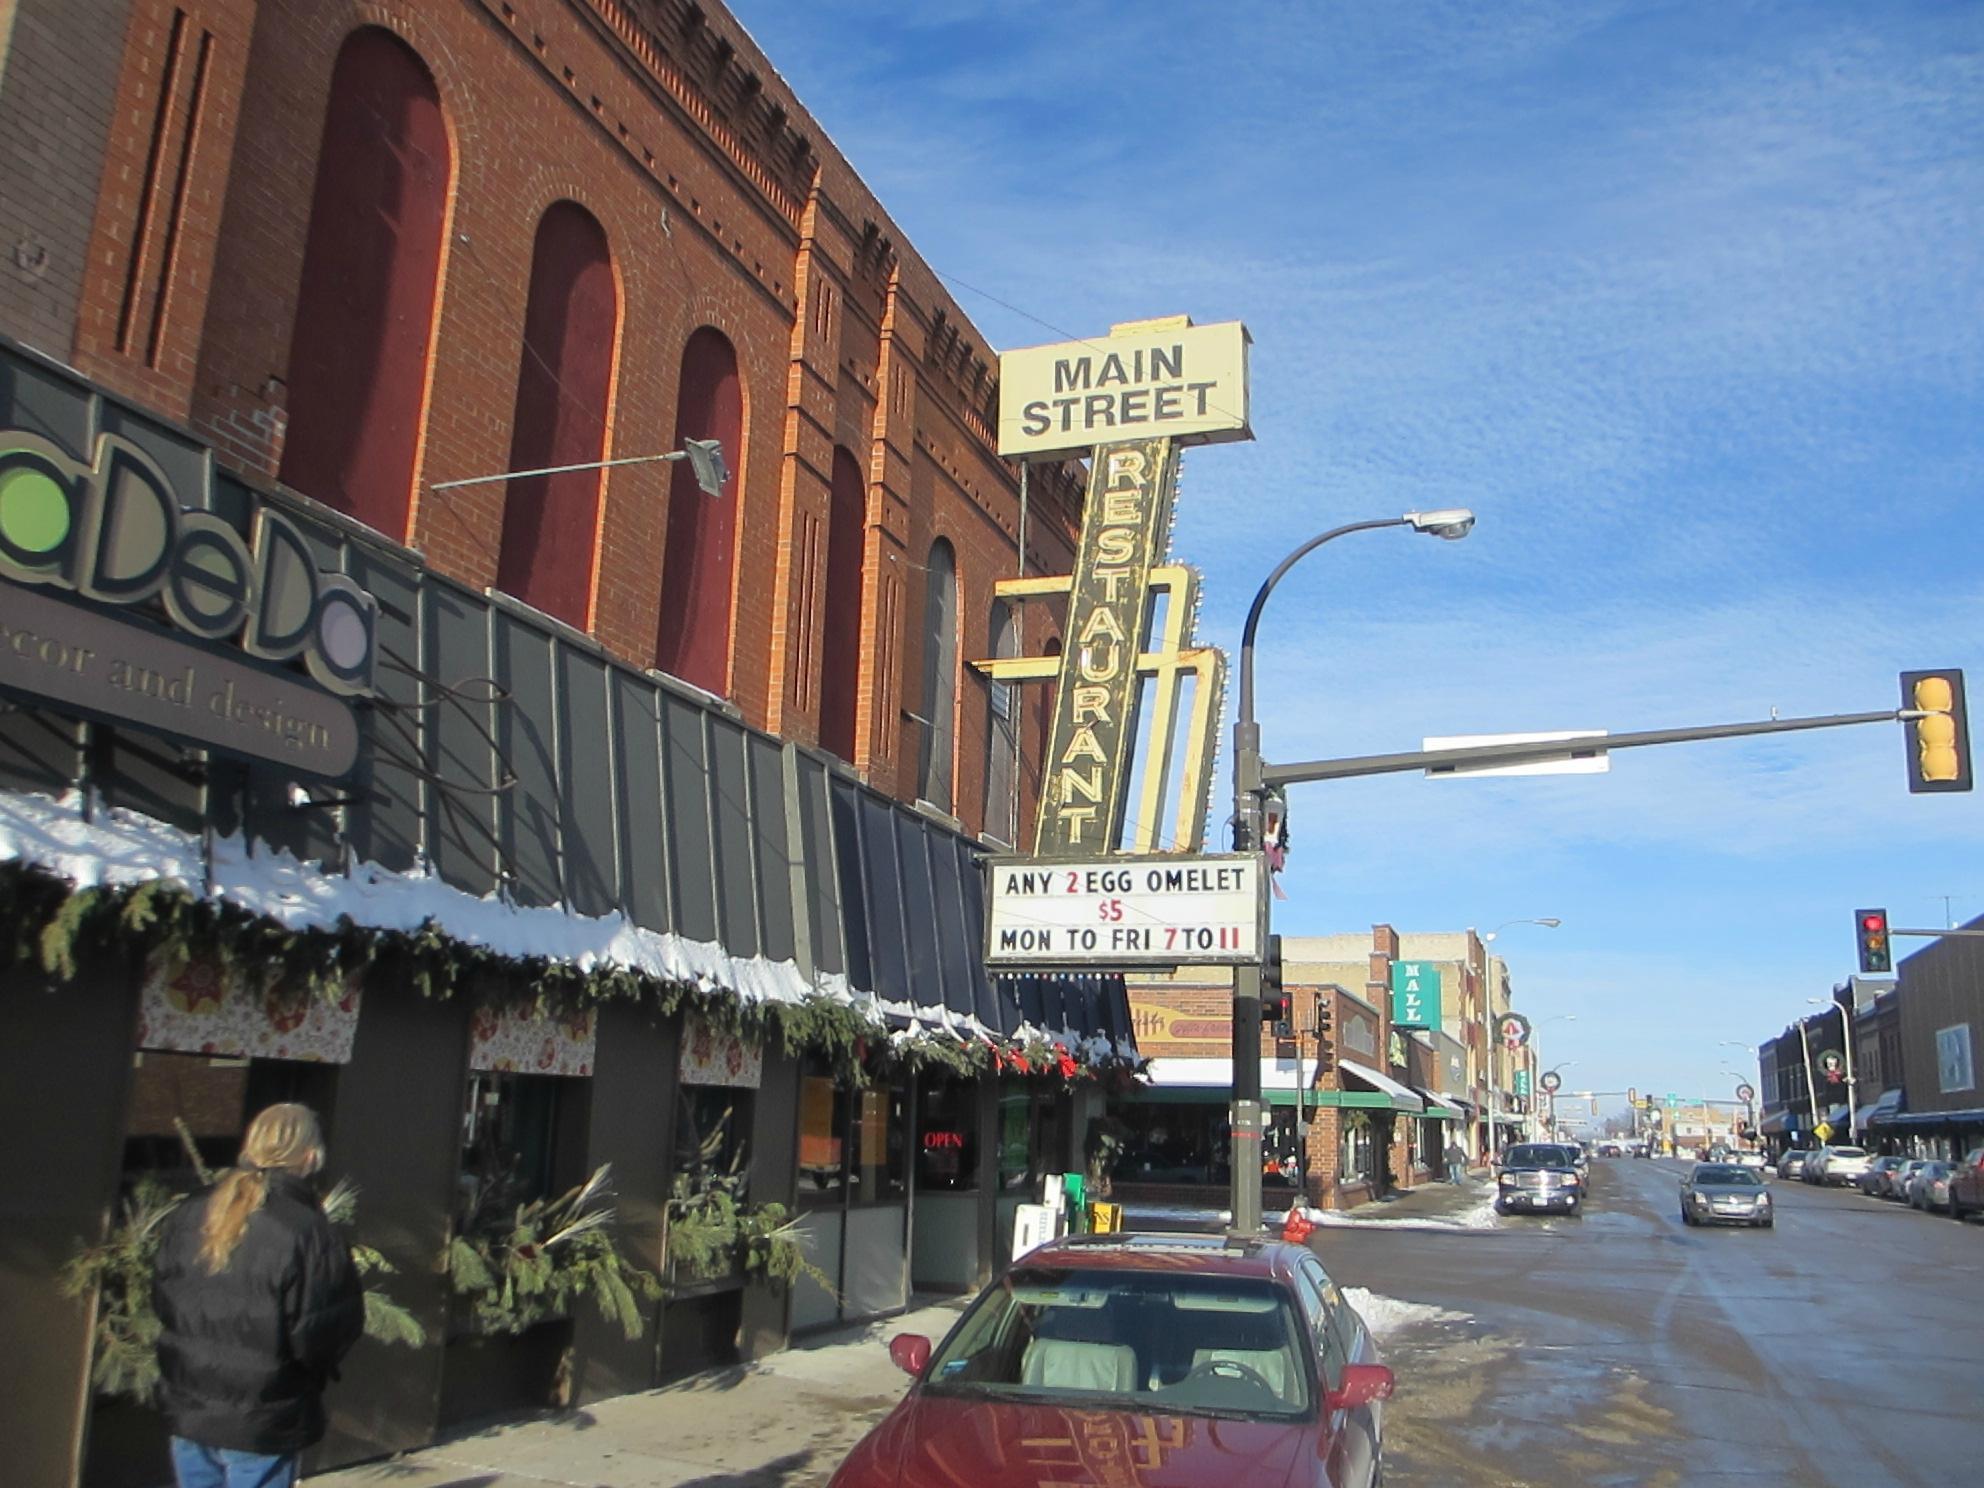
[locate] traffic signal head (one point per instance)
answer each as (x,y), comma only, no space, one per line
(1939,741)
(1870,930)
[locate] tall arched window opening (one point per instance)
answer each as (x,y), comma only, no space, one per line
(940,677)
(692,640)
(840,629)
(365,310)
(1001,732)
(564,378)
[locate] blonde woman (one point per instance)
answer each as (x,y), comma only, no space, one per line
(259,1301)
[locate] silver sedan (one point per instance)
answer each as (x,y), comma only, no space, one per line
(1723,1193)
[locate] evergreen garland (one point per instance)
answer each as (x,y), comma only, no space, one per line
(50,925)
(712,1232)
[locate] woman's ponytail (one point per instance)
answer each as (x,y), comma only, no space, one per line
(284,1137)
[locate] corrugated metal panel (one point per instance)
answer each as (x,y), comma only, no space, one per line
(771,848)
(527,732)
(888,948)
(845,800)
(461,825)
(642,822)
(691,862)
(386,828)
(819,882)
(587,836)
(730,815)
(927,964)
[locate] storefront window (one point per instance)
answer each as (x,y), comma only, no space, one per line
(519,1142)
(881,1143)
(213,1099)
(947,1137)
(1182,1143)
(1356,1164)
(823,1107)
(852,1143)
(1029,1136)
(712,1142)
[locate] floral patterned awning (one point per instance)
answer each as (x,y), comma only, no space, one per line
(506,1039)
(205,1008)
(710,1056)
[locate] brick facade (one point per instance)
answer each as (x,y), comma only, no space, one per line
(189,172)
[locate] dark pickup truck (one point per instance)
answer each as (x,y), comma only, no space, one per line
(1539,1176)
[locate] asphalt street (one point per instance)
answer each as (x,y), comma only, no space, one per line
(1845,1346)
(1621,1349)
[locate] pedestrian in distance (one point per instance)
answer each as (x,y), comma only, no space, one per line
(1456,1161)
(258,1301)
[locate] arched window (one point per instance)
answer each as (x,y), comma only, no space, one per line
(840,629)
(365,310)
(564,377)
(940,676)
(693,639)
(1002,731)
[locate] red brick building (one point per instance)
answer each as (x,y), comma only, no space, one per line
(369,248)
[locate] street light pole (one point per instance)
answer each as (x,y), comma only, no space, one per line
(1247,1112)
(1852,1085)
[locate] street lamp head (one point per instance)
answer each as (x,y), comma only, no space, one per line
(1549,924)
(1452,523)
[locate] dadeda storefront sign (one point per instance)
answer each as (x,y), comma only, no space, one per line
(92,555)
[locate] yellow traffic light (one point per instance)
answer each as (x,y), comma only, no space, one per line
(1939,741)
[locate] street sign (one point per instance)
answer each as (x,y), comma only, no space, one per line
(1522,1084)
(1415,995)
(1823,1131)
(1577,759)
(1159,909)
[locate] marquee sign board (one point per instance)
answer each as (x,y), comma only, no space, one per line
(1159,909)
(1415,995)
(1160,379)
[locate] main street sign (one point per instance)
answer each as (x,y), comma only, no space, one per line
(1415,995)
(1159,379)
(1159,909)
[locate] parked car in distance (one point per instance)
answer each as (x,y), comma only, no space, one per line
(1900,1178)
(1792,1164)
(1535,1176)
(1967,1185)
(1929,1185)
(1245,1349)
(1835,1167)
(1752,1159)
(1874,1177)
(1608,1149)
(1723,1193)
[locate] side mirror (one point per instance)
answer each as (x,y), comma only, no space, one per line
(911,1352)
(1362,1384)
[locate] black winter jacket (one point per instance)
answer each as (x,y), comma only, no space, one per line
(246,1353)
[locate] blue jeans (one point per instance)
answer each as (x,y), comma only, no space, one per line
(1456,1172)
(216,1467)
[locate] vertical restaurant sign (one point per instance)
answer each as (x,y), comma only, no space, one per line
(1125,528)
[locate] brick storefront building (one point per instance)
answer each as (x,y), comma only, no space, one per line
(320,267)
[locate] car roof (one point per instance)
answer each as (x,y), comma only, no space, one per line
(1209,1255)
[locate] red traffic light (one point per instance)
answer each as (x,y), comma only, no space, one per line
(1873,922)
(1871,932)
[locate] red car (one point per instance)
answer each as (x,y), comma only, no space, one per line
(1167,1361)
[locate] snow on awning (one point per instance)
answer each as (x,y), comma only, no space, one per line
(1402,1098)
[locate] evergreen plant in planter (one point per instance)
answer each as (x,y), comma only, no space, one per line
(711,1236)
(535,1263)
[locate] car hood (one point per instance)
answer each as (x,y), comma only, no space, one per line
(937,1441)
(1725,1190)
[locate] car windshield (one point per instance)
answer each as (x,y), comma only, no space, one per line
(1151,1341)
(1537,1155)
(1847,1152)
(1728,1176)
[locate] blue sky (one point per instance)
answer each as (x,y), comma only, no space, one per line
(1686,300)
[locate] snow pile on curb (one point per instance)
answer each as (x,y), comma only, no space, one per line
(1480,1217)
(1385,1316)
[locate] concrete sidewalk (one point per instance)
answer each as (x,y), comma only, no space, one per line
(783,1422)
